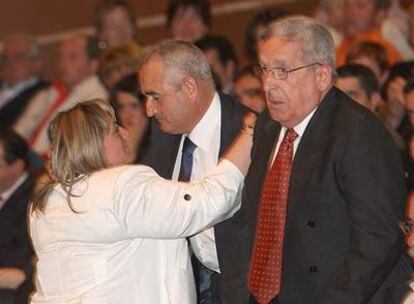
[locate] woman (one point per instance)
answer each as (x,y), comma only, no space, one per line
(129,105)
(105,233)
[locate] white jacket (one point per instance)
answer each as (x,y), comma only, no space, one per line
(127,242)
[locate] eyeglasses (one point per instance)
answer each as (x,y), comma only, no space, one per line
(277,72)
(406,225)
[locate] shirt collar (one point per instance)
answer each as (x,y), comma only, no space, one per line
(203,133)
(301,127)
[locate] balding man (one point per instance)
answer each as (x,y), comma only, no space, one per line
(181,97)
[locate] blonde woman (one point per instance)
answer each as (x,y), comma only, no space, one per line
(106,233)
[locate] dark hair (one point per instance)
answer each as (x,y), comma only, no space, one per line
(364,75)
(202,7)
(107,5)
(129,84)
(409,87)
(382,4)
(14,146)
(92,47)
(262,18)
(370,49)
(404,70)
(221,44)
(247,70)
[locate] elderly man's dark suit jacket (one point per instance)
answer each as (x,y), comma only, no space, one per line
(346,196)
(231,235)
(15,247)
(11,111)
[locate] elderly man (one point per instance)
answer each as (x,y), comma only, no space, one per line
(77,64)
(325,190)
(20,76)
(177,81)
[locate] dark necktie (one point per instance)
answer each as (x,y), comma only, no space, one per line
(186,160)
(266,264)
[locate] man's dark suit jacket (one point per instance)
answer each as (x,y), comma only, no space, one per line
(346,197)
(231,235)
(15,107)
(15,247)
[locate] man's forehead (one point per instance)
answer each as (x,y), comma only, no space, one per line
(280,53)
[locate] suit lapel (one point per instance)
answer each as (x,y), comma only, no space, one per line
(309,157)
(230,121)
(162,151)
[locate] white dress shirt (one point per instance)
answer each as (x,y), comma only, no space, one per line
(206,135)
(127,243)
(299,129)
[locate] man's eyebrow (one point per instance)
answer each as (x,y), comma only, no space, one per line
(150,93)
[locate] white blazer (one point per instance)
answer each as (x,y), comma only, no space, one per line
(127,242)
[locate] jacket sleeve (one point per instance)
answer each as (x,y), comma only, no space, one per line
(151,207)
(370,177)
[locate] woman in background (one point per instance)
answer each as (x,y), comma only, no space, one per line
(129,106)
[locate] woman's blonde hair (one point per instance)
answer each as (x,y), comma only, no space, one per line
(76,141)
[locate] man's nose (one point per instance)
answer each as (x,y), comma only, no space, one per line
(150,107)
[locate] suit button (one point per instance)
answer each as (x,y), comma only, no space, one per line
(311,223)
(187,197)
(313,269)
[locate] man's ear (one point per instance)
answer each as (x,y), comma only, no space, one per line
(189,86)
(324,77)
(375,100)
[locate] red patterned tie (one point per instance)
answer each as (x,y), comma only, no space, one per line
(266,265)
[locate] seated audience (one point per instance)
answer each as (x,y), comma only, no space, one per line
(330,14)
(256,28)
(393,111)
(77,65)
(117,62)
(360,83)
(222,58)
(188,19)
(362,22)
(15,189)
(119,232)
(21,79)
(115,23)
(371,54)
(248,89)
(129,106)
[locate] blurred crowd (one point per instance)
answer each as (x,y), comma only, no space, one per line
(375,66)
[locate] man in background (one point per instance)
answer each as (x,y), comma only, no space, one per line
(77,64)
(222,58)
(21,76)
